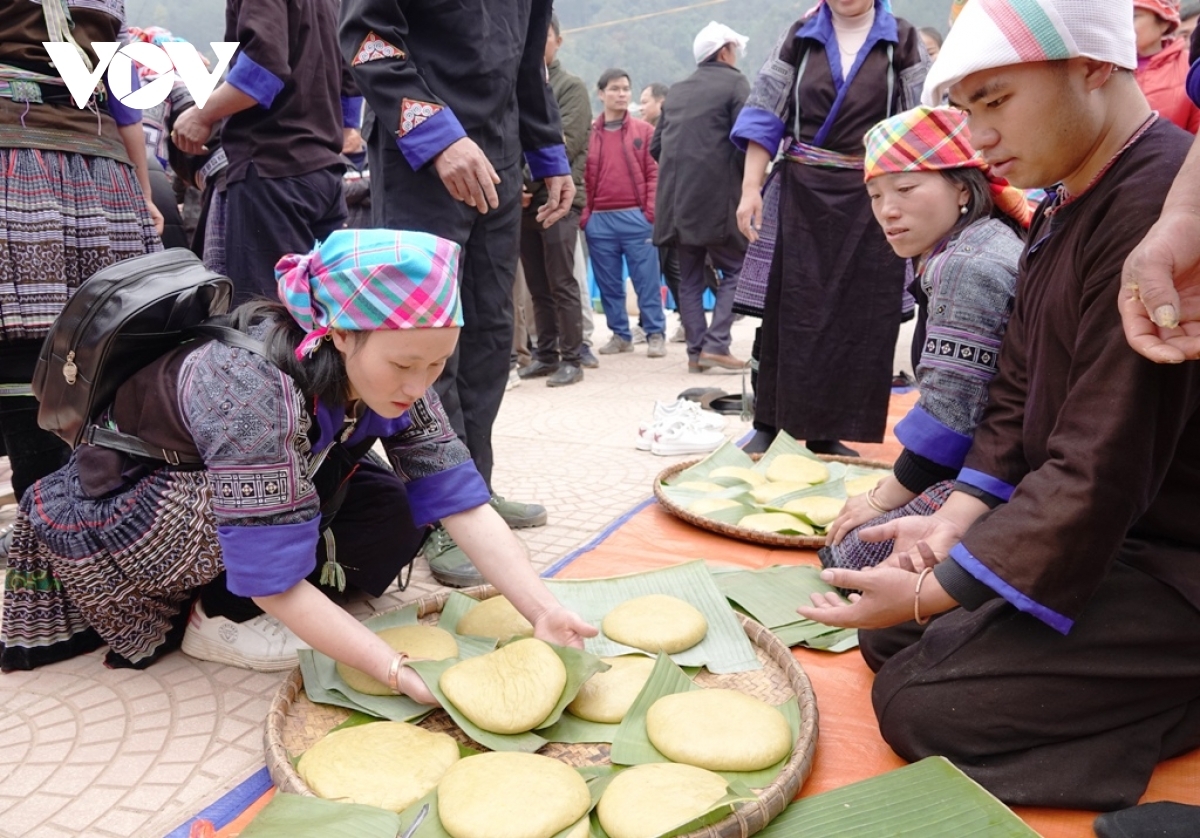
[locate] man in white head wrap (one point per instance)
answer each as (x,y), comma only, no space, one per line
(1066,562)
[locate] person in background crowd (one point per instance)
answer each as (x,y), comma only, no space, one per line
(1163,62)
(356,182)
(75,198)
(1071,541)
(700,175)
(618,218)
(284,102)
(834,293)
(963,228)
(445,158)
(932,39)
(112,551)
(548,253)
(651,102)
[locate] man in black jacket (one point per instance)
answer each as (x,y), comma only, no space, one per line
(459,92)
(699,184)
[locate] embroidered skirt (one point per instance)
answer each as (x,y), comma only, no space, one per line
(119,570)
(854,554)
(63,216)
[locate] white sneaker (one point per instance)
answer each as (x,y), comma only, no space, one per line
(685,437)
(639,336)
(263,643)
(667,413)
(514,380)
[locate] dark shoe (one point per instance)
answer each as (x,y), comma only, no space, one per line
(1150,820)
(586,359)
(616,345)
(725,362)
(519,515)
(759,443)
(656,346)
(447,561)
(564,375)
(697,394)
(537,369)
(903,379)
(829,446)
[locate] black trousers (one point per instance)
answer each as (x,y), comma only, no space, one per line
(668,263)
(268,218)
(548,256)
(374,537)
(32,452)
(1039,718)
(472,385)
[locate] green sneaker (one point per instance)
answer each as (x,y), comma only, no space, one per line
(447,561)
(519,515)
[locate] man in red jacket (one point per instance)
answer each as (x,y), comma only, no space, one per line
(618,219)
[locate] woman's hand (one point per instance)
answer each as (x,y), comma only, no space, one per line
(854,514)
(910,532)
(562,627)
(749,214)
(888,598)
(412,686)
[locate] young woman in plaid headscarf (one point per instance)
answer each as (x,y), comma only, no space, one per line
(113,550)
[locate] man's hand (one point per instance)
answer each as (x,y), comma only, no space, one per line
(192,130)
(468,175)
(352,141)
(562,627)
(1160,294)
(560,191)
(749,214)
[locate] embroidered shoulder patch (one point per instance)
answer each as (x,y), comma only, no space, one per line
(413,112)
(373,48)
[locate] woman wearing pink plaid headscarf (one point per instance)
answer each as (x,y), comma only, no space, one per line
(963,230)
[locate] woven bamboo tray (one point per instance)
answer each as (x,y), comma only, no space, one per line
(769,539)
(294,724)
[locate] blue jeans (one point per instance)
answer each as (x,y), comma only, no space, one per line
(612,234)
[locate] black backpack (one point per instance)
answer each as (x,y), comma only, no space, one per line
(118,321)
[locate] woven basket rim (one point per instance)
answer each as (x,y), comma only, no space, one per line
(767,539)
(744,821)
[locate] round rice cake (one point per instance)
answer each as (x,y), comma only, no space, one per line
(706,506)
(718,729)
(699,486)
(423,642)
(390,765)
(495,617)
(796,468)
(746,475)
(656,623)
(510,690)
(607,696)
(820,511)
(507,794)
(647,800)
(777,522)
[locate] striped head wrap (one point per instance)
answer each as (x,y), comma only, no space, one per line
(999,33)
(367,280)
(1168,10)
(928,139)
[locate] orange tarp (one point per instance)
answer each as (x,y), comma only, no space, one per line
(849,747)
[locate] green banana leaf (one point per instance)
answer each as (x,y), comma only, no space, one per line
(929,799)
(299,816)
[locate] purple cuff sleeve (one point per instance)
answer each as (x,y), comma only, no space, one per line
(429,139)
(1192,85)
(352,111)
(548,162)
(757,125)
(922,434)
(264,561)
(448,492)
(254,80)
(123,114)
(1020,601)
(987,483)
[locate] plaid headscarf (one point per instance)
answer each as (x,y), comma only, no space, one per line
(928,139)
(366,280)
(1168,10)
(999,33)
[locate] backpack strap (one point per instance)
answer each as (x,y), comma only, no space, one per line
(137,447)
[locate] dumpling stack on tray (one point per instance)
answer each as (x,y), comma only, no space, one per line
(789,496)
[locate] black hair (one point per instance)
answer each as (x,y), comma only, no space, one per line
(931,33)
(657,89)
(979,199)
(610,75)
(554,25)
(321,375)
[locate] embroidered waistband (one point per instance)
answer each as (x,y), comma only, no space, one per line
(811,155)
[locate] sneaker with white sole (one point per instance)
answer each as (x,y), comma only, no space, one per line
(685,437)
(262,643)
(666,413)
